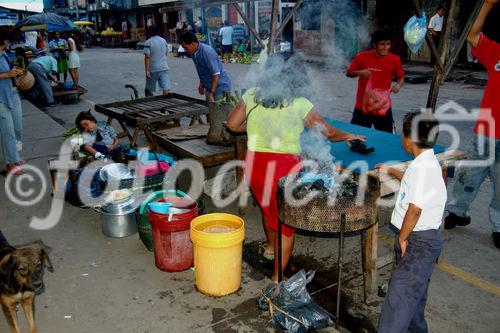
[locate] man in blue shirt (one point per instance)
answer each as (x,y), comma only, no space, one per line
(214,81)
(226,32)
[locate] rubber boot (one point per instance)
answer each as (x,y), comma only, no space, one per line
(217,115)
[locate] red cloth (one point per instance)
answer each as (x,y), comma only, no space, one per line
(488,54)
(263,170)
(385,68)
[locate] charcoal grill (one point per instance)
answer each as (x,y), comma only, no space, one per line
(320,216)
(334,211)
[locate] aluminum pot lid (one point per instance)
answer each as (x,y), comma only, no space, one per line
(119,208)
(115,171)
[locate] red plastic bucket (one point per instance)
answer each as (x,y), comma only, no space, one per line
(172,243)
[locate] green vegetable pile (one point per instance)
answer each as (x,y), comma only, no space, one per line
(235,59)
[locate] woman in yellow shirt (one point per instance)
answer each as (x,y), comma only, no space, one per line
(274,115)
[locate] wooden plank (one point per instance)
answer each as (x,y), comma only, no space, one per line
(454,55)
(172,116)
(167,108)
(198,149)
(390,185)
(152,98)
(185,133)
(289,16)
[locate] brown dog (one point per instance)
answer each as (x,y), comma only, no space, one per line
(21,279)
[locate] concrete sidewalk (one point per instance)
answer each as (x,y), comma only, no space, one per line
(103,284)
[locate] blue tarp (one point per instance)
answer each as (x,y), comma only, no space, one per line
(49,21)
(388,147)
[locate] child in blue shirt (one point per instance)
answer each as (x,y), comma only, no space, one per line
(98,141)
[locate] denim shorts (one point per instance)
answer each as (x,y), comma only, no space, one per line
(161,78)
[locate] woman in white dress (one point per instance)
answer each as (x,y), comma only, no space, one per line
(74,47)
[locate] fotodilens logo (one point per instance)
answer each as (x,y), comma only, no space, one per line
(457,123)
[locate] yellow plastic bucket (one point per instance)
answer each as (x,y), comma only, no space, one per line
(217,247)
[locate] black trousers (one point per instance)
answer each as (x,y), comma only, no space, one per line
(381,123)
(404,304)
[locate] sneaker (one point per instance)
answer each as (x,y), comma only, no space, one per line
(14,169)
(452,220)
(496,239)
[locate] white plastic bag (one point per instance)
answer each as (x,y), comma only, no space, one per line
(415,30)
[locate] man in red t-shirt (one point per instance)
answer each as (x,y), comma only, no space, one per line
(487,131)
(377,66)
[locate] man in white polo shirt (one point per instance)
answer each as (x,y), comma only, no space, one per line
(417,217)
(436,26)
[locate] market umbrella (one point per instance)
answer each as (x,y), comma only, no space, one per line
(46,21)
(83,23)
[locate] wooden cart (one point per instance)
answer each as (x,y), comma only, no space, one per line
(144,114)
(67,96)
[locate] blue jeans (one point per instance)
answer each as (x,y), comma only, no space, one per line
(469,180)
(11,129)
(42,89)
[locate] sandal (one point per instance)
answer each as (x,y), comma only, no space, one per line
(14,169)
(266,252)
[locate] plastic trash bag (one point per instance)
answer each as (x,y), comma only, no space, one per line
(292,297)
(376,101)
(415,30)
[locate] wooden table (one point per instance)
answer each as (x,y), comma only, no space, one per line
(143,114)
(196,148)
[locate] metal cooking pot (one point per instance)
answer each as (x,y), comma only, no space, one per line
(118,218)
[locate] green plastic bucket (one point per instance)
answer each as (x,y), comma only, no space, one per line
(141,216)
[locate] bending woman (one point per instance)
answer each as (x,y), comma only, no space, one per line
(11,122)
(274,115)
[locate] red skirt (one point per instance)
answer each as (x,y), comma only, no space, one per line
(263,170)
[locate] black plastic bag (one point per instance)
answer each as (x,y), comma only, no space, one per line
(291,296)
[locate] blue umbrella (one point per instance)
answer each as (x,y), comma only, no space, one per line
(46,21)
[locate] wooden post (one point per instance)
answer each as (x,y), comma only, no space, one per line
(289,16)
(250,27)
(274,26)
(463,37)
(251,19)
(438,75)
(370,246)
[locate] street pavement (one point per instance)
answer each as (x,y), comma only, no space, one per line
(111,285)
